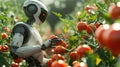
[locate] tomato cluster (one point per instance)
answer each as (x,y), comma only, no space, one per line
(108,36)
(90,28)
(80,52)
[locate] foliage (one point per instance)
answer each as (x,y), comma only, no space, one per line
(70,50)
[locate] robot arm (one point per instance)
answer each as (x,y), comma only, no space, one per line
(20,50)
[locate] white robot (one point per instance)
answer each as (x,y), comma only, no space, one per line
(26,41)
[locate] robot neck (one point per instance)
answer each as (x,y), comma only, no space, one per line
(30,21)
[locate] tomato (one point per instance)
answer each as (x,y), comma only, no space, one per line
(87,8)
(74,55)
(111,38)
(5,48)
(53,36)
(57,57)
(0,47)
(7,29)
(115,12)
(99,34)
(97,24)
(105,1)
(18,60)
(59,50)
(84,36)
(59,63)
(64,44)
(49,63)
(14,65)
(91,28)
(83,49)
(81,26)
(4,35)
(81,64)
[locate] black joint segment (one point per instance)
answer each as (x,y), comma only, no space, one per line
(43,47)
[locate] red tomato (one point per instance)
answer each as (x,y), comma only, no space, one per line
(74,55)
(52,37)
(64,44)
(111,38)
(81,26)
(59,50)
(97,24)
(99,34)
(83,49)
(0,47)
(81,64)
(91,28)
(49,62)
(115,12)
(14,65)
(59,63)
(4,35)
(18,60)
(57,57)
(5,48)
(88,8)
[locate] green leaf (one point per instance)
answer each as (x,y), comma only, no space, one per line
(91,60)
(83,14)
(3,60)
(57,14)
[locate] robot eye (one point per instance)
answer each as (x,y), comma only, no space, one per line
(43,15)
(32,9)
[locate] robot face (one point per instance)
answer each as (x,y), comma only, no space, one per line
(35,11)
(43,15)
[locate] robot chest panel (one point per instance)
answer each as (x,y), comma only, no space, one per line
(35,38)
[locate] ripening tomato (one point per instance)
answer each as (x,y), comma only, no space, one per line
(5,48)
(49,62)
(115,12)
(7,29)
(0,47)
(59,50)
(53,36)
(83,49)
(4,35)
(74,55)
(81,26)
(105,1)
(99,34)
(97,25)
(59,63)
(57,57)
(81,64)
(14,65)
(88,8)
(91,28)
(111,38)
(18,60)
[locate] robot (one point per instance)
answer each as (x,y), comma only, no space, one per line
(26,40)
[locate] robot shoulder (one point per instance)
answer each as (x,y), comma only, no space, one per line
(23,29)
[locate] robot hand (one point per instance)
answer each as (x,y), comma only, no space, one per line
(51,42)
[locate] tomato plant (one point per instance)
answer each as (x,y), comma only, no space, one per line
(59,63)
(89,40)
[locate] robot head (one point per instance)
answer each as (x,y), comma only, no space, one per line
(35,10)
